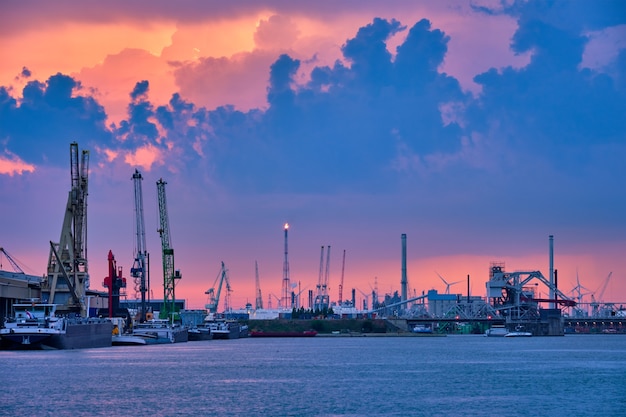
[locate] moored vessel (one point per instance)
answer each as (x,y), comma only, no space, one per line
(496,331)
(36,326)
(157,331)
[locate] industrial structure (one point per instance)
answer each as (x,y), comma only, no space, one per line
(259,297)
(322,299)
(286,300)
(114,282)
(343,270)
(213,295)
(170,275)
(68,272)
(139,270)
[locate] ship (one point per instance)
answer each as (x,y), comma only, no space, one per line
(496,331)
(224,329)
(157,331)
(37,326)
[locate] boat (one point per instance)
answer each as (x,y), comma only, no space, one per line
(420,328)
(224,329)
(260,333)
(35,325)
(519,332)
(200,332)
(496,331)
(123,337)
(158,331)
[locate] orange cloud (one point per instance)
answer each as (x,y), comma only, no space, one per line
(144,157)
(12,165)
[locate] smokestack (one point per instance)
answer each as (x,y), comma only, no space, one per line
(551,270)
(404,283)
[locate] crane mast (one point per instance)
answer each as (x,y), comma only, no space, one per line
(139,269)
(67,274)
(343,268)
(169,274)
(259,297)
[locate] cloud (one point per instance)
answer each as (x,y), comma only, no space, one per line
(12,165)
(50,115)
(277,32)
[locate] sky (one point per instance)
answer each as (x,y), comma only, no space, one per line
(476,128)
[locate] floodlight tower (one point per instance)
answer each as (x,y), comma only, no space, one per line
(286,298)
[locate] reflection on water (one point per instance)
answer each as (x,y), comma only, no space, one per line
(455,375)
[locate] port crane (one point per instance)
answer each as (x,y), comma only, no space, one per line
(343,268)
(595,302)
(68,273)
(114,282)
(259,298)
(139,270)
(214,297)
(322,300)
(170,275)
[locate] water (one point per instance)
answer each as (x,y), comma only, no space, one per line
(574,375)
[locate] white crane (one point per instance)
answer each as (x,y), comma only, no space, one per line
(139,269)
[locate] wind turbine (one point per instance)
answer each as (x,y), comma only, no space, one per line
(448,284)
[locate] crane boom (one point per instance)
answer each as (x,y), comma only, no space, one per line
(170,275)
(139,269)
(14,264)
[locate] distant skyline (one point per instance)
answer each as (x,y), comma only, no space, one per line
(476,128)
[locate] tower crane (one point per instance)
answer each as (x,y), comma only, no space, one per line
(68,272)
(170,275)
(259,297)
(139,270)
(213,297)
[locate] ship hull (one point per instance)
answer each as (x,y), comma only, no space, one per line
(75,336)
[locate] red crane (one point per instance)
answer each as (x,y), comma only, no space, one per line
(114,282)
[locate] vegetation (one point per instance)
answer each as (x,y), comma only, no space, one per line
(320,325)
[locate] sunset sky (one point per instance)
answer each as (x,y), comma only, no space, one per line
(477,128)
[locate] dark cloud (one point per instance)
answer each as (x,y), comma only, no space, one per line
(51,115)
(140,90)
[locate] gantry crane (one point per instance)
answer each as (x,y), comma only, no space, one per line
(214,297)
(139,270)
(170,275)
(322,300)
(68,273)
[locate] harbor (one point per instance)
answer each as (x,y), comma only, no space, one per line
(61,311)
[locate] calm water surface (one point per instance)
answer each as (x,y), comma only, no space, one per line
(574,375)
